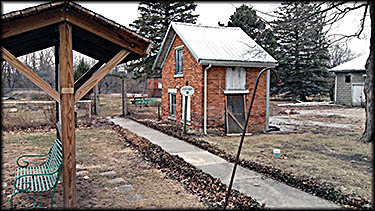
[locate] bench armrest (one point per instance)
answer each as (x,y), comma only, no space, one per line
(25,161)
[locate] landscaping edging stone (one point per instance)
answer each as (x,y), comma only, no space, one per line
(325,191)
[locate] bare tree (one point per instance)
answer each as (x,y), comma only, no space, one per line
(337,11)
(340,53)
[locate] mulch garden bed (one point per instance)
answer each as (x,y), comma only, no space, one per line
(325,191)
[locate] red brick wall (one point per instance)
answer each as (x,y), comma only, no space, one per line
(152,87)
(194,73)
(216,98)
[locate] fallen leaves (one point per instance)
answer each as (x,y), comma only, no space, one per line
(325,191)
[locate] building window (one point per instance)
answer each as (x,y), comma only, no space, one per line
(172,103)
(179,64)
(347,78)
(235,78)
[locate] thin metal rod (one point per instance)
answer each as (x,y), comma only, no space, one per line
(243,135)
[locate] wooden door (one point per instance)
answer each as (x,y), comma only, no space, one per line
(358,95)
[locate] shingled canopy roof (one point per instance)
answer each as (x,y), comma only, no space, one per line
(36,28)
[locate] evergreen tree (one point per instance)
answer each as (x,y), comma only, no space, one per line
(155,18)
(302,50)
(246,18)
(81,69)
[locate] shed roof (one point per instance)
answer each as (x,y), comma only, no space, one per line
(36,28)
(221,46)
(354,65)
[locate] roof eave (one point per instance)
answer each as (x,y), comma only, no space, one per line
(238,63)
(347,71)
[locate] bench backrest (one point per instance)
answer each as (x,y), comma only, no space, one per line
(55,158)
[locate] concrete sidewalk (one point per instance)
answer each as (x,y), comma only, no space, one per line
(271,192)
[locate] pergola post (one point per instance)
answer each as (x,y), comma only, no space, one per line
(67,115)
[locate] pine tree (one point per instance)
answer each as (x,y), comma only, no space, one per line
(246,18)
(81,69)
(302,50)
(155,18)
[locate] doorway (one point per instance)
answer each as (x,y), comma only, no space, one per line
(235,113)
(358,95)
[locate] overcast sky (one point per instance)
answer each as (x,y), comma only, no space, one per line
(210,13)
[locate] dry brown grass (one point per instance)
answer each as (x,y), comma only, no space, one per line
(98,150)
(339,160)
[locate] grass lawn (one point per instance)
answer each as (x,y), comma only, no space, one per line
(332,158)
(339,160)
(97,150)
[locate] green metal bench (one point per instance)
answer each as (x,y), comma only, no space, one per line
(38,179)
(146,101)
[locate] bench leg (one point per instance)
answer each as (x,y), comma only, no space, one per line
(53,194)
(11,200)
(34,199)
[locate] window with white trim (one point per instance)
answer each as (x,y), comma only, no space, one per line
(179,58)
(172,103)
(235,78)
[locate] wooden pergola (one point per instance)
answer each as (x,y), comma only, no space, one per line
(68,26)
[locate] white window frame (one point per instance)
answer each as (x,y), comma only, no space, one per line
(179,72)
(172,92)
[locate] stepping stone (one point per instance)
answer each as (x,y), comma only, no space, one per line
(116,180)
(107,173)
(82,173)
(124,187)
(136,197)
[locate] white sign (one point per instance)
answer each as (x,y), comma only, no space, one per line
(187,90)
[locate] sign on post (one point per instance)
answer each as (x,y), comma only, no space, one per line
(187,90)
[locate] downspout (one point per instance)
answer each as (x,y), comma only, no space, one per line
(268,100)
(205,99)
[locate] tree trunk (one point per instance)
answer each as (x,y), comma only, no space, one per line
(368,134)
(125,111)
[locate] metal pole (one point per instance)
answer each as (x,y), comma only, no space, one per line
(243,135)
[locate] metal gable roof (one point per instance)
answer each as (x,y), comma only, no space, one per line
(356,64)
(225,46)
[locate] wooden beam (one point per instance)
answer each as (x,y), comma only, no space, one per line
(125,41)
(11,59)
(87,75)
(31,22)
(67,116)
(88,85)
(57,88)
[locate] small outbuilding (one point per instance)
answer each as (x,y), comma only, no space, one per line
(221,64)
(154,85)
(349,82)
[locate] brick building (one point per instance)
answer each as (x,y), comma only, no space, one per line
(349,82)
(221,64)
(154,86)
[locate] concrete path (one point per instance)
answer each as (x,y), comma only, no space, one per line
(271,192)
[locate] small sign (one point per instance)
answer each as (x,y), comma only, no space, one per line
(187,90)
